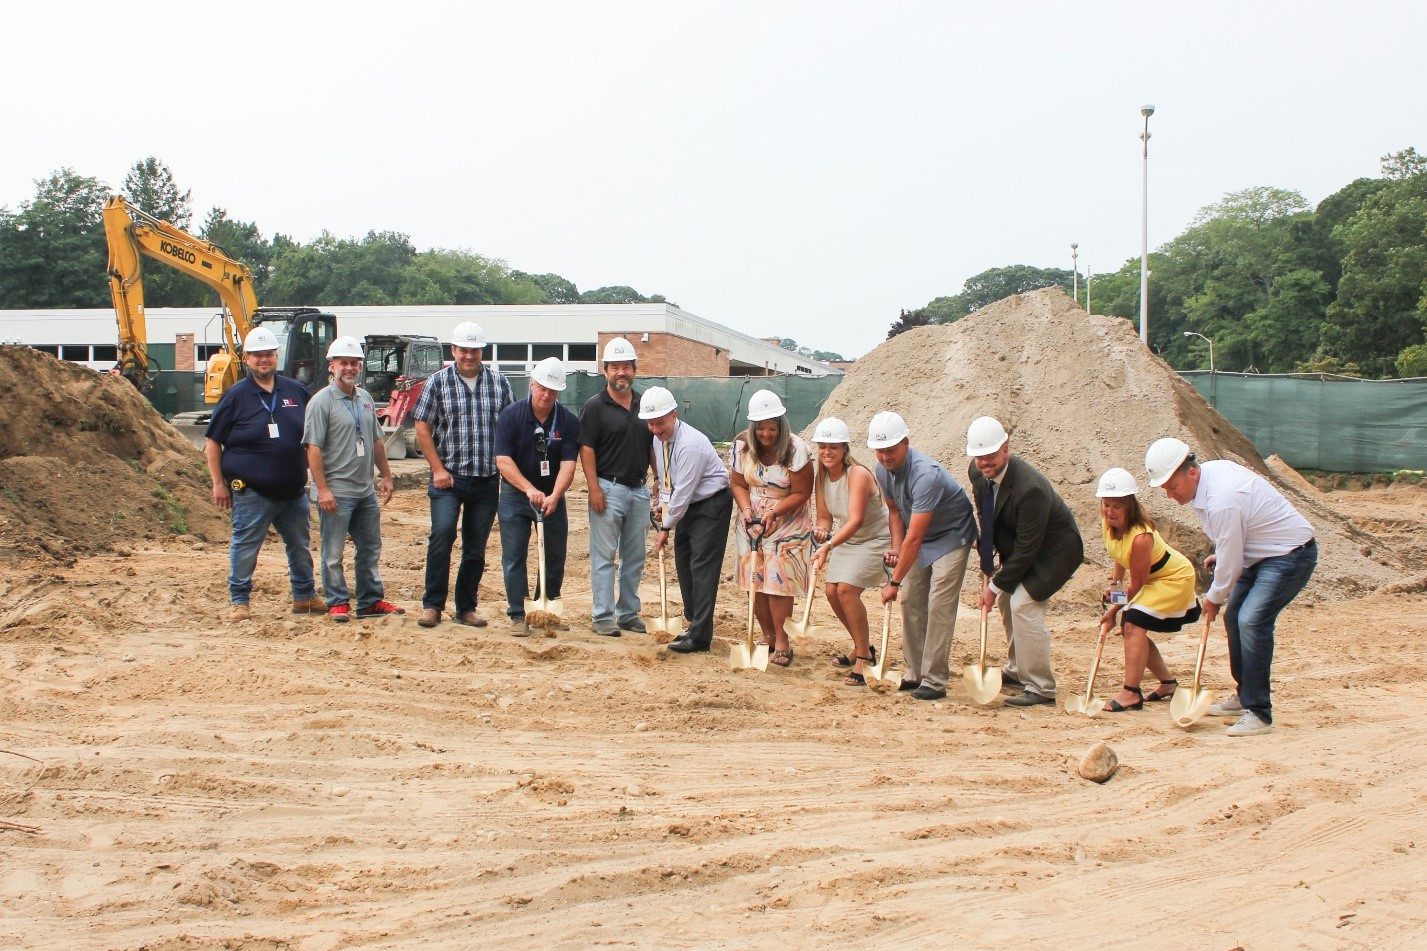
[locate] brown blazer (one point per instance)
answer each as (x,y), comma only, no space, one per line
(1033,531)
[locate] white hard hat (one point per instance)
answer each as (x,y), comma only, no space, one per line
(550,373)
(468,335)
(886,430)
(1116,484)
(1163,458)
(764,405)
(832,429)
(656,402)
(259,339)
(345,347)
(619,350)
(984,436)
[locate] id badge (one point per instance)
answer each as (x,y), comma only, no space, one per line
(361,449)
(544,467)
(272,430)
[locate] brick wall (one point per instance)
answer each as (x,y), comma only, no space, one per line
(183,353)
(668,354)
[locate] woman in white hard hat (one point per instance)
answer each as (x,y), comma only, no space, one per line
(847,497)
(1160,594)
(772,481)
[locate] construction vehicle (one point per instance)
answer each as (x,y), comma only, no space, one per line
(303,333)
(396,370)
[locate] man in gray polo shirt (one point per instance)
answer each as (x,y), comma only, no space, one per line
(343,443)
(933,529)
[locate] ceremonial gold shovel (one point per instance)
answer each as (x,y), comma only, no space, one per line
(878,670)
(746,654)
(1085,704)
(1189,704)
(982,682)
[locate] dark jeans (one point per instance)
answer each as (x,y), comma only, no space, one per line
(1261,592)
(253,512)
(361,519)
(472,501)
(517,524)
(700,539)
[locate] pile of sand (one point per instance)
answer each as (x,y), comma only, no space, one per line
(1079,394)
(87,463)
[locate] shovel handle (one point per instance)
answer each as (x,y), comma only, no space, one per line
(1095,662)
(1203,649)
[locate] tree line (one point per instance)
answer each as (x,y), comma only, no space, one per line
(53,255)
(1279,286)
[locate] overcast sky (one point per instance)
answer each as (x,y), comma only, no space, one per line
(791,169)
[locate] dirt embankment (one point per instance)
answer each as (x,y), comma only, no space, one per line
(87,464)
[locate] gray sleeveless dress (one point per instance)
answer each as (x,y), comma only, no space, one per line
(858,561)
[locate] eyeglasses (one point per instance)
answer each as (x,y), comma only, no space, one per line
(542,445)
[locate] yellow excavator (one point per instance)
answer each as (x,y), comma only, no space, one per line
(303,333)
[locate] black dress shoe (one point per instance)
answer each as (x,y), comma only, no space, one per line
(909,685)
(928,693)
(1028,699)
(685,646)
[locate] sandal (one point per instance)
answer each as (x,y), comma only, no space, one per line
(855,680)
(1114,706)
(1155,696)
(843,660)
(783,658)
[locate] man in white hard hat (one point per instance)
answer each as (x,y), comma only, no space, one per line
(344,442)
(1264,554)
(455,423)
(614,453)
(699,504)
(253,446)
(536,445)
(1024,521)
(932,535)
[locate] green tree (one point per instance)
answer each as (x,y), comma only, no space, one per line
(52,251)
(908,319)
(619,294)
(241,241)
(1412,361)
(150,186)
(554,289)
(992,285)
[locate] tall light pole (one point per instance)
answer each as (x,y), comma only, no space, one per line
(1190,333)
(1145,111)
(1087,290)
(1075,281)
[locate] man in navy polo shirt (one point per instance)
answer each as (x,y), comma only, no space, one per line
(536,444)
(258,465)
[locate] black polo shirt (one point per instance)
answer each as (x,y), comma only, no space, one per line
(273,466)
(620,439)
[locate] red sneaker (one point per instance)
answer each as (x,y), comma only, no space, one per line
(380,609)
(340,612)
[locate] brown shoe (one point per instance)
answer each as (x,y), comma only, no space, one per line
(240,612)
(471,618)
(312,605)
(430,617)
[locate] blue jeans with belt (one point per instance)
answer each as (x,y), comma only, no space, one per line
(359,518)
(1262,591)
(517,523)
(621,529)
(471,500)
(253,512)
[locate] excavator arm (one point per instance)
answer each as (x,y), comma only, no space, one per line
(133,233)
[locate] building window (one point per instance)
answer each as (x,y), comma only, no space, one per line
(583,351)
(204,351)
(49,348)
(74,351)
(512,351)
(542,351)
(803,369)
(106,352)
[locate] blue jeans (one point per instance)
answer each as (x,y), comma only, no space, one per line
(1261,592)
(471,500)
(517,520)
(253,512)
(360,518)
(621,529)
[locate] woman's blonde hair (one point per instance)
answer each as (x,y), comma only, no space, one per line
(1136,517)
(782,449)
(848,461)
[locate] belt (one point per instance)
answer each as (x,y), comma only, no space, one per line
(1164,560)
(1311,543)
(638,484)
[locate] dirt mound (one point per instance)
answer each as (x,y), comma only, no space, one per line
(86,464)
(1079,394)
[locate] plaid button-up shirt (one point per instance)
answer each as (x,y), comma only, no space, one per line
(462,419)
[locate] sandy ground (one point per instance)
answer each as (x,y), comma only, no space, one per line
(291,783)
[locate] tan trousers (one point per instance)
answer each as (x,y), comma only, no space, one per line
(930,597)
(1027,641)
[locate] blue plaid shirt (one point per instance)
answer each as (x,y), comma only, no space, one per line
(462,420)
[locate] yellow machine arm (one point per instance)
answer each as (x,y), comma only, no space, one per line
(132,233)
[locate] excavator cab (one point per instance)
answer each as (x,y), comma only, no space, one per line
(303,336)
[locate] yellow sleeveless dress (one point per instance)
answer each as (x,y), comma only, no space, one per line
(1167,601)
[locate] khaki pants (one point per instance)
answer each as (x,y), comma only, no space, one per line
(1027,641)
(930,597)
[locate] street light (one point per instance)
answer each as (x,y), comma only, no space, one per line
(1145,111)
(1075,281)
(1087,289)
(1190,333)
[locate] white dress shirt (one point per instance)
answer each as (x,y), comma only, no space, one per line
(695,469)
(1247,519)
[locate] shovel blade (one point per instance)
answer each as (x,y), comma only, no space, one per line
(1078,704)
(983,683)
(800,629)
(548,605)
(1187,707)
(741,657)
(878,671)
(672,626)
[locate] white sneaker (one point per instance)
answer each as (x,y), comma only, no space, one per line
(1249,725)
(1228,707)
